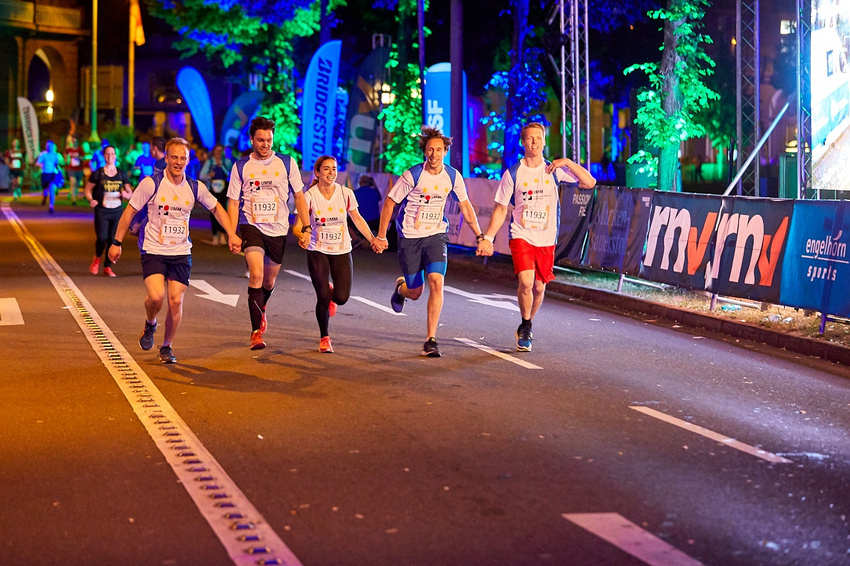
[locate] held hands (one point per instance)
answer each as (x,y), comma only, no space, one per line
(485,248)
(234,242)
(379,245)
(304,240)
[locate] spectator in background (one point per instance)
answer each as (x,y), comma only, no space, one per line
(369,201)
(144,163)
(74,160)
(15,161)
(215,174)
(50,162)
(5,175)
(158,151)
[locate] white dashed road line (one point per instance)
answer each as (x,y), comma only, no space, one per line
(631,539)
(246,536)
(731,442)
(498,354)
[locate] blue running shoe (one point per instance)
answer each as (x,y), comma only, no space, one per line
(166,356)
(523,338)
(430,348)
(397,301)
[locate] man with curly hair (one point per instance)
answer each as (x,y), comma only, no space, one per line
(423,191)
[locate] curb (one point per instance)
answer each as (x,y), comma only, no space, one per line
(632,306)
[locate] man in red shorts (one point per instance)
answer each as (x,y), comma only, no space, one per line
(532,186)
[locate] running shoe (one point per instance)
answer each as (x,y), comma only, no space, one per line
(523,338)
(108,272)
(166,356)
(257,340)
(95,266)
(331,305)
(325,345)
(264,323)
(431,349)
(397,301)
(146,339)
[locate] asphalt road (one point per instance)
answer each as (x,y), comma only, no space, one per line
(614,442)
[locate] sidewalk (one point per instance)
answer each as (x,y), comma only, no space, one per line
(632,306)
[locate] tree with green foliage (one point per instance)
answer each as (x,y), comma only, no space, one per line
(677,90)
(255,37)
(403,118)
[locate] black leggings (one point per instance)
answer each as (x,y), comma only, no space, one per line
(340,269)
(105,223)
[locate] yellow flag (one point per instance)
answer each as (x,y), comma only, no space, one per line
(138,33)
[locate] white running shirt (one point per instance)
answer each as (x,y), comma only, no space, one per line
(328,218)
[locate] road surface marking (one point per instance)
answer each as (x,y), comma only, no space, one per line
(296,274)
(498,354)
(731,442)
(377,306)
(244,533)
(10,312)
(484,299)
(360,299)
(631,539)
(212,293)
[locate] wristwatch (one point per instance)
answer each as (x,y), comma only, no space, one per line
(306,228)
(116,242)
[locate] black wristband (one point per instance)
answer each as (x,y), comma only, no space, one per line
(479,237)
(306,228)
(116,242)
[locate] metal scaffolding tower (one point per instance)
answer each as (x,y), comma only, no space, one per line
(575,83)
(804,97)
(748,81)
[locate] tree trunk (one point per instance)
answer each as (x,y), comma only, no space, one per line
(457,108)
(324,23)
(420,24)
(668,155)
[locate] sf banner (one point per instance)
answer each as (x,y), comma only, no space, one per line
(616,232)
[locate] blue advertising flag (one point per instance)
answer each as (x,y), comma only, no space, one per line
(197,97)
(438,104)
(319,105)
(816,274)
(617,229)
(234,127)
(748,251)
(363,107)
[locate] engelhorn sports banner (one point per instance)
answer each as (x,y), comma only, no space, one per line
(318,114)
(197,97)
(816,271)
(29,123)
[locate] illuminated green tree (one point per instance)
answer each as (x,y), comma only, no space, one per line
(677,91)
(402,118)
(251,37)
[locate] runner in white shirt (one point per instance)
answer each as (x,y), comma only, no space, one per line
(532,187)
(422,192)
(259,189)
(164,241)
(328,242)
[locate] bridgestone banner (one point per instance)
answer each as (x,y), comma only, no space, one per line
(617,229)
